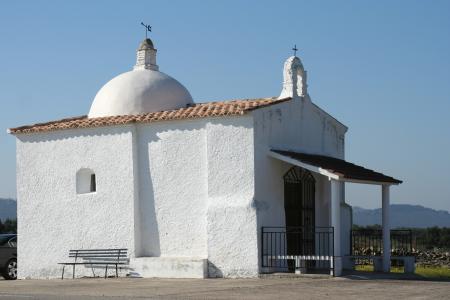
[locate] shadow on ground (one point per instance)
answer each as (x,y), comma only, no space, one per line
(362,275)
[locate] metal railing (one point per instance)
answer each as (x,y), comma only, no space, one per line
(293,248)
(369,242)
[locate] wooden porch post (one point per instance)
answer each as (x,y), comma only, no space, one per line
(386,229)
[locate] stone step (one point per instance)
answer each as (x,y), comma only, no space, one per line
(170,267)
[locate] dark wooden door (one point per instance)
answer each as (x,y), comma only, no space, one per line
(299,206)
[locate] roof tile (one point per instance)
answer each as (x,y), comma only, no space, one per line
(195,111)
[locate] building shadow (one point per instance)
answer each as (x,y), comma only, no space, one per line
(148,242)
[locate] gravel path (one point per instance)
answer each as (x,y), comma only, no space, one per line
(351,287)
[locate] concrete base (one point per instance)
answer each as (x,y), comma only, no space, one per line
(348,262)
(409,263)
(170,267)
(300,270)
(337,266)
(378,264)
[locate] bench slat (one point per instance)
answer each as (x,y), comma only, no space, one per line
(97,255)
(94,250)
(92,263)
(102,258)
(111,261)
(121,251)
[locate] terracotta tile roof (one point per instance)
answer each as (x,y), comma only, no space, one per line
(198,110)
(340,167)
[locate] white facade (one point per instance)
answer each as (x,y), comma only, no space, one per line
(193,189)
(187,198)
(53,217)
(179,189)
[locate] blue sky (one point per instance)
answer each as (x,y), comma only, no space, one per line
(380,67)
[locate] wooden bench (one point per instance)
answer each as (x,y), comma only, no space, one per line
(96,258)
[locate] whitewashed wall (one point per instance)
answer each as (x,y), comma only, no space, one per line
(172,166)
(297,125)
(196,193)
(170,189)
(231,216)
(52,218)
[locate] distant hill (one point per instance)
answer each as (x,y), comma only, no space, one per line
(8,209)
(403,215)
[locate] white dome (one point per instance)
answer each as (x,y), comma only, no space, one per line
(139,91)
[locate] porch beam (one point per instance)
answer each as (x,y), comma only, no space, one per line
(366,181)
(386,228)
(300,164)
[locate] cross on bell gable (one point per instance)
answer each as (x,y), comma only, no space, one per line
(295,50)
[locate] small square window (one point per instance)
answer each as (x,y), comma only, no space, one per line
(86,181)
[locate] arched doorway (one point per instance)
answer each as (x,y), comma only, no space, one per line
(299,207)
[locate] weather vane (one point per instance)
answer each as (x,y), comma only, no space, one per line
(295,50)
(147,28)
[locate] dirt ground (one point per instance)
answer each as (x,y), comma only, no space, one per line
(348,287)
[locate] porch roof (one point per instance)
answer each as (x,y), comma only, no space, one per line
(334,168)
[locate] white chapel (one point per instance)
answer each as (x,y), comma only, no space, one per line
(193,190)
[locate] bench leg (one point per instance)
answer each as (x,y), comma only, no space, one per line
(62,276)
(117,273)
(92,268)
(73,272)
(106,271)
